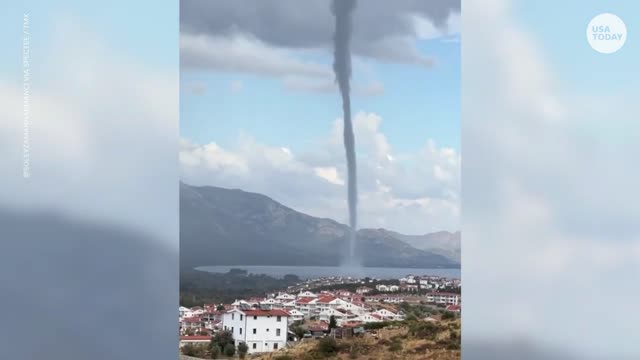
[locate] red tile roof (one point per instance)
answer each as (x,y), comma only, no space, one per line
(192,320)
(304,300)
(326,299)
(195,338)
(265,312)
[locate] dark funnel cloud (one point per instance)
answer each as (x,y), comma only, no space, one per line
(342,10)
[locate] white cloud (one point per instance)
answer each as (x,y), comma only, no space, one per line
(399,194)
(330,174)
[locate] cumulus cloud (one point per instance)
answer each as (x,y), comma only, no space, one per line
(397,190)
(544,212)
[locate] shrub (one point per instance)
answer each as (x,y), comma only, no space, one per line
(395,346)
(242,350)
(421,348)
(283,357)
(353,354)
(214,351)
(194,350)
(327,346)
(229,350)
(448,316)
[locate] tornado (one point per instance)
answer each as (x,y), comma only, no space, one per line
(342,10)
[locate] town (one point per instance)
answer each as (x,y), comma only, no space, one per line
(325,307)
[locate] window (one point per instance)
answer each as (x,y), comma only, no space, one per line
(240,331)
(277,332)
(254,345)
(232,329)
(255,331)
(275,346)
(240,316)
(232,316)
(279,318)
(255,318)
(267,330)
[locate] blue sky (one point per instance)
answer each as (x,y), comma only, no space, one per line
(260,110)
(417,104)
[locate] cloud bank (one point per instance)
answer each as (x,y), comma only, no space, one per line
(413,193)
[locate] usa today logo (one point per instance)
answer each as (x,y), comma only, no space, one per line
(606,33)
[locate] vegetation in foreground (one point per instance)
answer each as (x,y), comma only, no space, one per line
(410,340)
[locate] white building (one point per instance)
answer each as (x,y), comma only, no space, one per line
(387,315)
(295,315)
(195,340)
(261,330)
(443,298)
(284,297)
(307,294)
(326,315)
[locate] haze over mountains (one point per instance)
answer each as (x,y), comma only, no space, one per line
(233,227)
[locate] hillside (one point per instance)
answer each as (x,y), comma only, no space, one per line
(415,341)
(233,227)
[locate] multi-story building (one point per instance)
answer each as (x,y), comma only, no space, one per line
(261,330)
(443,298)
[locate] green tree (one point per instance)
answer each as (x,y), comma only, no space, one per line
(220,307)
(214,351)
(298,329)
(229,350)
(194,350)
(332,322)
(242,350)
(222,338)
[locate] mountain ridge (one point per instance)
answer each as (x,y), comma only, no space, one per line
(221,226)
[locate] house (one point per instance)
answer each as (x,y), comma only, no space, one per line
(453,308)
(261,330)
(284,297)
(326,315)
(307,294)
(184,312)
(387,315)
(369,318)
(195,340)
(443,298)
(191,323)
(289,305)
(295,315)
(272,303)
(306,305)
(240,303)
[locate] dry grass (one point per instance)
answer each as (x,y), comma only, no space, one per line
(390,344)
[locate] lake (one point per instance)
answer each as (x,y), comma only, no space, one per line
(307,272)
